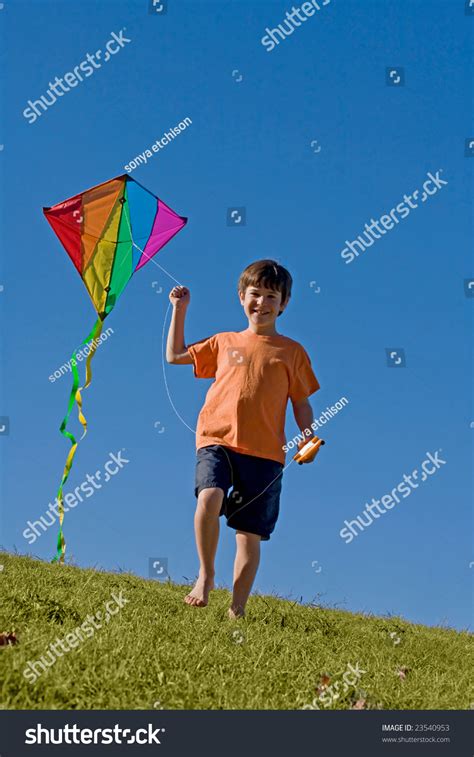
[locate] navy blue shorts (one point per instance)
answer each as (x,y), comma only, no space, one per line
(254,503)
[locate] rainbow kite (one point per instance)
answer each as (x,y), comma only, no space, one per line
(109,232)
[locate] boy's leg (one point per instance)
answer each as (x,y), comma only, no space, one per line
(206,527)
(247,558)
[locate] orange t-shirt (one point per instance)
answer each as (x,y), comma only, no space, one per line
(255,375)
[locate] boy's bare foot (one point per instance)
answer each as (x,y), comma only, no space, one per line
(236,612)
(199,596)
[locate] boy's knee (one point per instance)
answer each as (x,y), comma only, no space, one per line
(247,542)
(246,536)
(211,499)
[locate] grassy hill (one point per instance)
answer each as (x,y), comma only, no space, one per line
(155,652)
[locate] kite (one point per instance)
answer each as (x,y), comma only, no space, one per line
(109,231)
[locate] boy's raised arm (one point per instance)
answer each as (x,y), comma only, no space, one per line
(176,350)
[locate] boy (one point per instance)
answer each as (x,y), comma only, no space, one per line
(240,431)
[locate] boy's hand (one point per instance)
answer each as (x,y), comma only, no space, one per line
(309,457)
(302,443)
(180,297)
(314,445)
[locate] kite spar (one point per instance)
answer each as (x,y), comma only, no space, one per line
(109,232)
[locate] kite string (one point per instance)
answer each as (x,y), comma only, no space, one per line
(148,257)
(157,264)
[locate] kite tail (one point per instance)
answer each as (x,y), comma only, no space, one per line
(75,395)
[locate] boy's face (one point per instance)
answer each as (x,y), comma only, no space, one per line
(261,305)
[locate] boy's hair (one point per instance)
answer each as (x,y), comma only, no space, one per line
(269,274)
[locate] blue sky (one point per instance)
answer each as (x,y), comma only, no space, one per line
(249,145)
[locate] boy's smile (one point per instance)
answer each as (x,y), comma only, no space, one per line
(261,306)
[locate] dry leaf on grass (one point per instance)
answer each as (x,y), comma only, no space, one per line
(402,673)
(8,638)
(323,684)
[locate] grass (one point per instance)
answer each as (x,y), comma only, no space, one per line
(156,652)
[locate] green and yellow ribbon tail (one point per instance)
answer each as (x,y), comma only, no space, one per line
(75,396)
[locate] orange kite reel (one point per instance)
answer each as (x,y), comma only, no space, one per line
(307,453)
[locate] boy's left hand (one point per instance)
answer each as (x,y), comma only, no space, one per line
(301,444)
(314,445)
